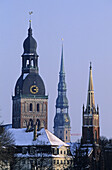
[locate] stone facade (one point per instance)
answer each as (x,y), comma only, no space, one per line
(29,111)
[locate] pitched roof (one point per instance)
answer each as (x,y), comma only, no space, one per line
(45,137)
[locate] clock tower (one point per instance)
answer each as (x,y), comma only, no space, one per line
(29,101)
(62,121)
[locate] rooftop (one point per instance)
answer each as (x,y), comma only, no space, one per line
(44,137)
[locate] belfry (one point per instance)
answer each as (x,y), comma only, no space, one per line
(29,100)
(90,127)
(62,121)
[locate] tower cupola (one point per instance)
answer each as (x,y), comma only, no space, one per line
(30,57)
(30,44)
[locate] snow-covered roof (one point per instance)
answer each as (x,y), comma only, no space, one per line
(45,137)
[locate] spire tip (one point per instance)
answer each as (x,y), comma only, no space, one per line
(30,13)
(90,65)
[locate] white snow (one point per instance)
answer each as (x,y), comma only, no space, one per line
(44,137)
(24,75)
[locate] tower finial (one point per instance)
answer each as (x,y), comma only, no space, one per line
(62,62)
(30,13)
(90,65)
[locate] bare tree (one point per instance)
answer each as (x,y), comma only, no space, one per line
(6,146)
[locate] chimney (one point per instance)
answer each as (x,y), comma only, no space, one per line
(41,125)
(28,128)
(35,132)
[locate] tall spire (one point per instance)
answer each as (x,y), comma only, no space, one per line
(62,62)
(62,99)
(90,127)
(90,97)
(62,120)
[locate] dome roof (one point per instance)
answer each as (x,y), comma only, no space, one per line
(30,43)
(30,84)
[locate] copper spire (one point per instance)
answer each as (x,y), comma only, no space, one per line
(90,97)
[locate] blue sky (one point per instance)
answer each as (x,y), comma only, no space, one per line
(86,27)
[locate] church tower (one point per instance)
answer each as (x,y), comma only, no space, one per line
(62,121)
(29,100)
(90,127)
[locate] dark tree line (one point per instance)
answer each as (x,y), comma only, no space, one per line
(6,147)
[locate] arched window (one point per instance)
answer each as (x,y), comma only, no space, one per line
(24,123)
(32,63)
(88,134)
(95,136)
(42,107)
(27,63)
(45,107)
(38,108)
(90,121)
(38,123)
(31,107)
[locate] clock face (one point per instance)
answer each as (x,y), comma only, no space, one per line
(34,89)
(66,120)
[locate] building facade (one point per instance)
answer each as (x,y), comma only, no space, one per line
(90,127)
(29,101)
(62,120)
(43,151)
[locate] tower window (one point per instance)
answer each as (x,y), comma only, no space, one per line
(90,121)
(38,109)
(45,107)
(66,131)
(42,107)
(25,123)
(66,137)
(95,136)
(38,124)
(88,134)
(31,107)
(27,63)
(32,63)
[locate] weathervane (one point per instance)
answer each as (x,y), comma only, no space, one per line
(30,13)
